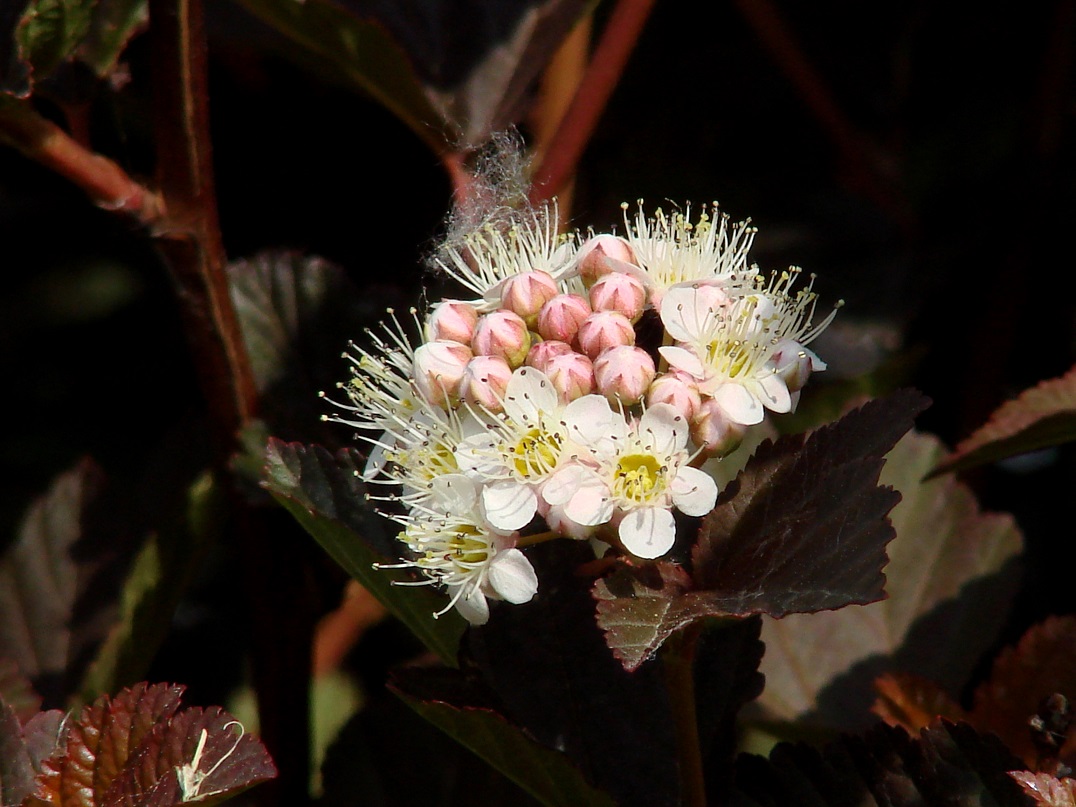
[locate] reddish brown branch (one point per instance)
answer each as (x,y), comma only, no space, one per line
(107,185)
(565,149)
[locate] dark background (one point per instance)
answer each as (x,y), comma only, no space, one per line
(941,214)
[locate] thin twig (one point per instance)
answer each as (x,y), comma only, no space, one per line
(564,151)
(107,185)
(678,658)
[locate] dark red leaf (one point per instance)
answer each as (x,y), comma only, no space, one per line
(913,702)
(1047,790)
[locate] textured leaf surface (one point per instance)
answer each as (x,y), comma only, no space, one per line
(465,713)
(454,78)
(327,498)
(802,529)
(16,768)
(1047,790)
(114,24)
(913,702)
(948,764)
(951,575)
(1041,664)
(50,30)
(1039,417)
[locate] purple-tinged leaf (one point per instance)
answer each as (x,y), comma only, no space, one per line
(547,663)
(100,742)
(23,749)
(1039,417)
(947,764)
(802,529)
(1047,790)
(17,691)
(328,499)
(465,712)
(194,756)
(951,575)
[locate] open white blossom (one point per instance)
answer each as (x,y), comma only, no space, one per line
(672,249)
(635,474)
(729,345)
(451,544)
(495,252)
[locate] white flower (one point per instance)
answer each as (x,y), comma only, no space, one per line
(521,449)
(671,250)
(495,252)
(638,473)
(728,345)
(451,544)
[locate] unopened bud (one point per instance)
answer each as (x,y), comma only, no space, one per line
(713,432)
(452,320)
(624,374)
(540,354)
(502,333)
(439,366)
(593,254)
(561,317)
(603,330)
(680,393)
(619,292)
(571,374)
(527,292)
(484,381)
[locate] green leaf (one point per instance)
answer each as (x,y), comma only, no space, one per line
(464,712)
(50,30)
(802,529)
(950,579)
(160,574)
(1040,417)
(114,24)
(328,499)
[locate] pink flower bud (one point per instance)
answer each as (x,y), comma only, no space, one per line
(561,317)
(452,320)
(439,366)
(571,374)
(502,333)
(557,521)
(677,391)
(603,330)
(624,373)
(527,292)
(484,381)
(714,432)
(619,292)
(540,354)
(794,364)
(593,252)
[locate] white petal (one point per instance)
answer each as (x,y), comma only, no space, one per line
(474,607)
(664,429)
(560,487)
(512,577)
(738,404)
(683,359)
(686,310)
(590,504)
(592,423)
(508,504)
(648,532)
(455,494)
(694,491)
(774,392)
(375,462)
(529,392)
(475,454)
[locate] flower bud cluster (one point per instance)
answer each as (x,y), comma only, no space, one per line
(576,395)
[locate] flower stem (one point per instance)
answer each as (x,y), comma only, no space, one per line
(537,538)
(678,657)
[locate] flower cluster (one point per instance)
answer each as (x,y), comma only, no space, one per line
(577,394)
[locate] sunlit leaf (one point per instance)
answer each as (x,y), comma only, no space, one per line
(946,764)
(50,30)
(1039,417)
(802,529)
(1041,664)
(327,498)
(464,712)
(950,578)
(913,702)
(1047,790)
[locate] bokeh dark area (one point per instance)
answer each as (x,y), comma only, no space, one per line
(943,223)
